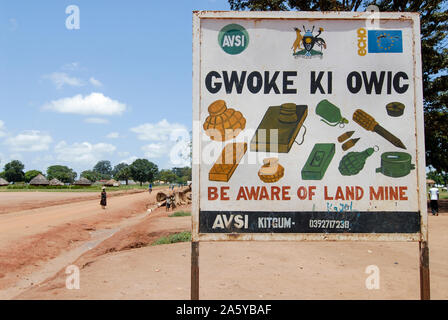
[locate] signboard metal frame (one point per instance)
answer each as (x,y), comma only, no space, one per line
(418,101)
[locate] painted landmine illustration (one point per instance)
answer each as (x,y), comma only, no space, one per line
(353,162)
(318,161)
(396,164)
(395,109)
(227,162)
(279,128)
(223,123)
(369,123)
(271,171)
(330,114)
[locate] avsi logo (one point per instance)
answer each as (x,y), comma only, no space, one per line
(233,39)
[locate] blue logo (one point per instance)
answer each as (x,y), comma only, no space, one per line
(386,41)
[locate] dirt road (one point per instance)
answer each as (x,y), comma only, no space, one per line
(29,239)
(123,267)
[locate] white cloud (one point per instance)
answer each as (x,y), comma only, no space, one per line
(167,140)
(2,129)
(95,82)
(161,131)
(96,120)
(84,153)
(60,79)
(32,140)
(123,153)
(93,104)
(128,160)
(71,66)
(155,150)
(113,135)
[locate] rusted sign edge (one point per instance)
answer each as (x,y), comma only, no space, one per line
(285,15)
(408,237)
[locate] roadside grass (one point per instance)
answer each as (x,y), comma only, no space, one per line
(443,194)
(95,188)
(173,238)
(180,214)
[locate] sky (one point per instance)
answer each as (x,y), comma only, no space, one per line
(117,88)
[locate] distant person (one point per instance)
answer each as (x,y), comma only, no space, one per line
(168,203)
(434,198)
(150,188)
(103,201)
(173,203)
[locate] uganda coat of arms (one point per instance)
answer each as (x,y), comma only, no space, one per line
(309,41)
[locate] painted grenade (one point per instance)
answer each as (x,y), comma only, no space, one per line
(353,162)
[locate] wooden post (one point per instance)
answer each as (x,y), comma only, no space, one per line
(424,271)
(195,270)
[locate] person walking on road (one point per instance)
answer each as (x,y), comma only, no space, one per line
(168,203)
(150,188)
(103,201)
(434,198)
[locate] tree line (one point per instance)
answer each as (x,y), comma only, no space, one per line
(141,170)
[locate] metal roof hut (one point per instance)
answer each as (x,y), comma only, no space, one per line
(83,182)
(55,182)
(3,182)
(39,180)
(112,183)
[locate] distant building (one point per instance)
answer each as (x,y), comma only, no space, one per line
(112,183)
(55,182)
(3,182)
(39,180)
(83,182)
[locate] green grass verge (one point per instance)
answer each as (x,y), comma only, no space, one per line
(180,214)
(96,188)
(173,238)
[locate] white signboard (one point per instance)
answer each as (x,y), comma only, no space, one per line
(307,126)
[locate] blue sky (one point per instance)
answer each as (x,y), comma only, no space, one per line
(118,88)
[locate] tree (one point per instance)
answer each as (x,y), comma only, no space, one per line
(2,175)
(118,167)
(143,170)
(123,174)
(434,20)
(167,175)
(31,174)
(14,171)
(104,169)
(182,174)
(91,175)
(62,173)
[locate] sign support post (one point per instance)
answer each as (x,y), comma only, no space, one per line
(195,270)
(424,271)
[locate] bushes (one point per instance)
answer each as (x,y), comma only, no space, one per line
(173,238)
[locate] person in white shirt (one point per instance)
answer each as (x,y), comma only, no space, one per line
(434,198)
